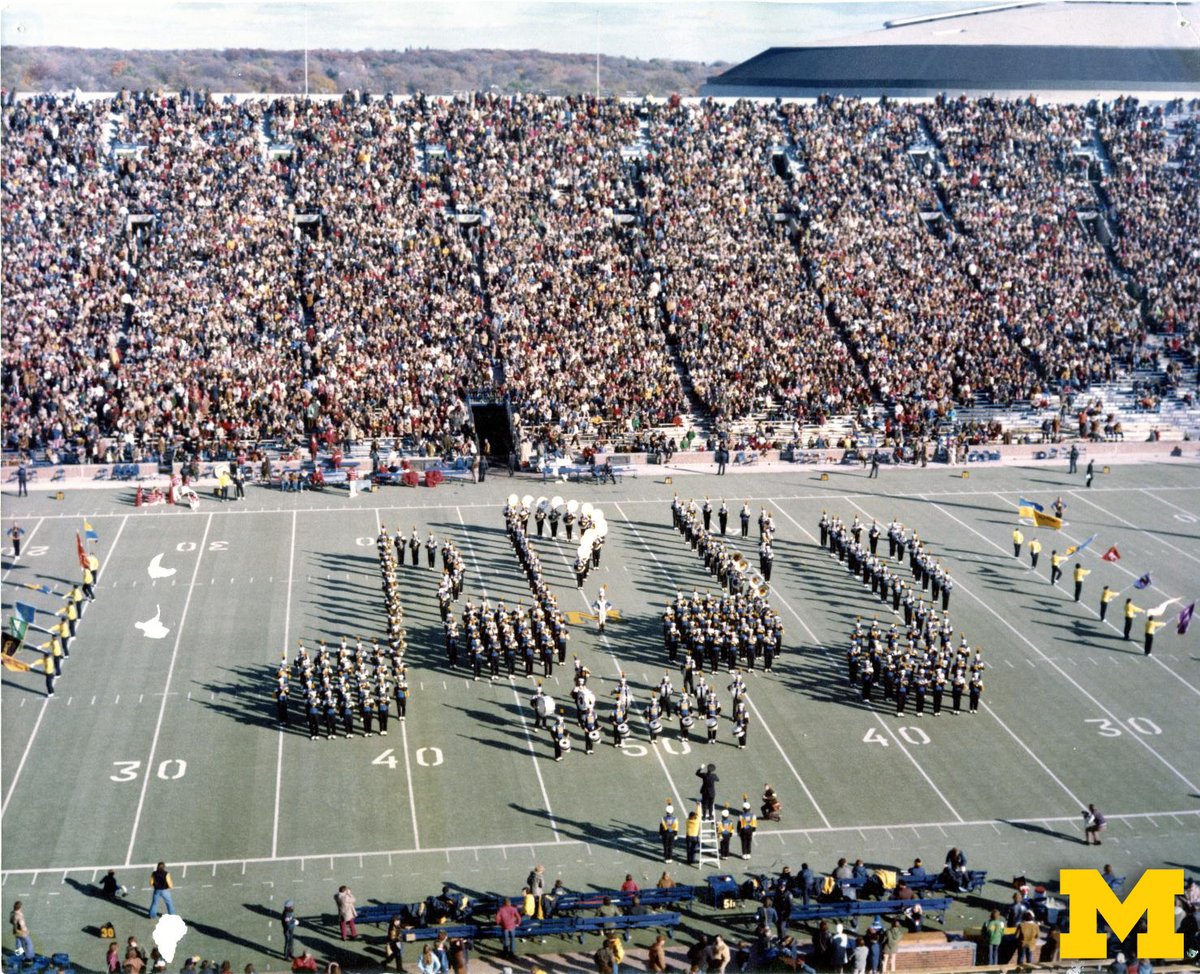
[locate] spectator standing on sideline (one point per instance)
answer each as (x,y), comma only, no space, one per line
(993,931)
(508,918)
(1094,823)
(22,480)
(347,911)
(1027,935)
(20,931)
(288,921)
(160,883)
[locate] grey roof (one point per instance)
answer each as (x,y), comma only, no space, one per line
(1085,48)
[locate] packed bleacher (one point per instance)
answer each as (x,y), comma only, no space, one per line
(186,270)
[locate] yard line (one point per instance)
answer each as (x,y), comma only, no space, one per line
(1108,622)
(1067,676)
(1126,817)
(1149,492)
(1130,524)
(287,625)
(749,700)
(412,795)
(520,707)
(12,788)
(162,710)
(772,498)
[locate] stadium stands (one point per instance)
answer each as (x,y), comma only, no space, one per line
(193,276)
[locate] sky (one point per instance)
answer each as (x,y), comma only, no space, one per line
(731,30)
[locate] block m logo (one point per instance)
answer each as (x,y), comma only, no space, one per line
(1154,896)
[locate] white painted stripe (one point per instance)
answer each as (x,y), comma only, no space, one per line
(412,794)
(287,626)
(1150,534)
(147,768)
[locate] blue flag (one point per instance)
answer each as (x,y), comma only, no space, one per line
(1143,582)
(26,612)
(89,532)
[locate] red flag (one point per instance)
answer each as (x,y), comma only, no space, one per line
(1112,554)
(81,551)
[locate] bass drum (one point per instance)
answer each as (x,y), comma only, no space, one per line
(593,735)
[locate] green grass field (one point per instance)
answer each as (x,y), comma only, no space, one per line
(168,748)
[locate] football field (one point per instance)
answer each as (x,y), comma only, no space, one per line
(161,741)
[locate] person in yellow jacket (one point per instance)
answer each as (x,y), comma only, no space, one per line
(1035,549)
(70,614)
(46,665)
(612,940)
(1153,624)
(1106,596)
(1080,574)
(747,825)
(1056,563)
(88,585)
(1131,610)
(1018,541)
(691,837)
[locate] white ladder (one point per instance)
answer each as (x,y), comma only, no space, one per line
(710,851)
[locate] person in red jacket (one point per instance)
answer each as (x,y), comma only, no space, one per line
(508,918)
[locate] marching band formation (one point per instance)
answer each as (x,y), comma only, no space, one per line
(347,688)
(922,662)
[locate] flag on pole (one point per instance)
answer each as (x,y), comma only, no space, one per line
(1143,582)
(1026,509)
(89,532)
(1112,554)
(1160,609)
(26,612)
(1185,618)
(81,551)
(17,628)
(44,589)
(1079,547)
(1046,520)
(14,664)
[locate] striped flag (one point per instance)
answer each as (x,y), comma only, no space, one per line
(17,628)
(1185,618)
(1079,547)
(44,589)
(89,532)
(1143,582)
(1026,509)
(1112,554)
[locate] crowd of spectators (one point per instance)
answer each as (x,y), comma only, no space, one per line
(1155,193)
(355,268)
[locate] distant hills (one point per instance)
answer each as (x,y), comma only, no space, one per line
(332,72)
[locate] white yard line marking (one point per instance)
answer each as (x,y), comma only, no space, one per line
(757,714)
(1046,659)
(412,794)
(287,626)
(162,710)
(1150,534)
(12,788)
(520,707)
(1149,492)
(1126,817)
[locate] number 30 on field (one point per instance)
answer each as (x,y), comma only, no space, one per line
(172,769)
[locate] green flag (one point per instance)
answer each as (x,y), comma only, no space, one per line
(18,627)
